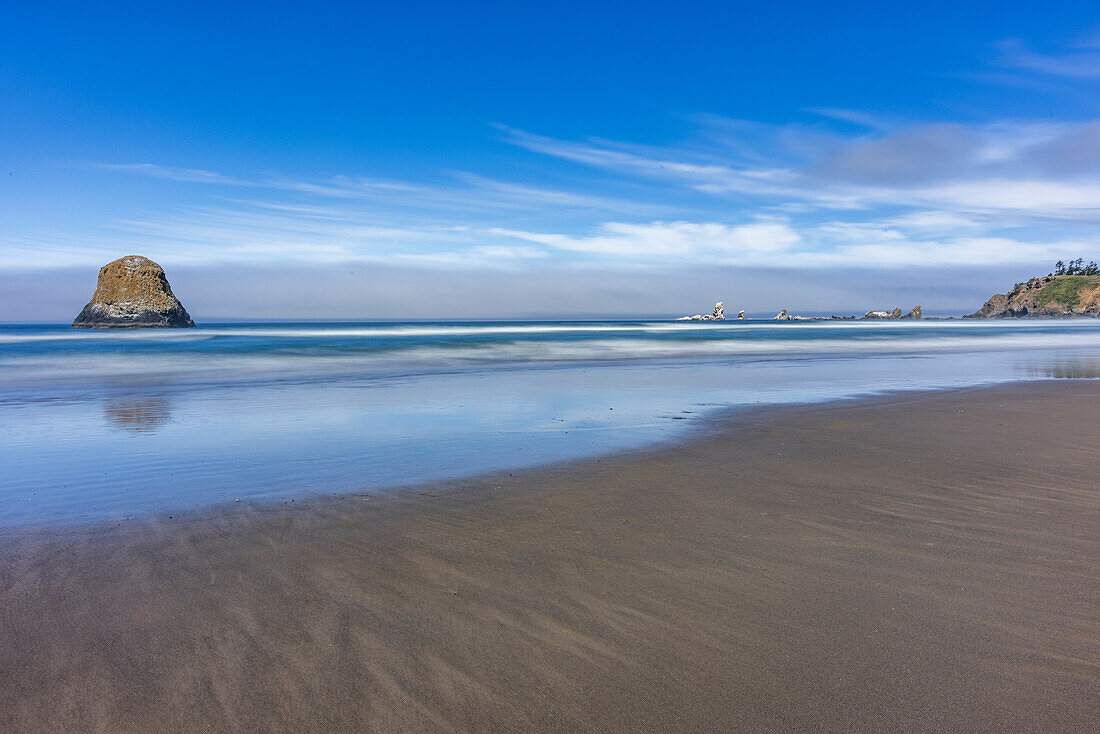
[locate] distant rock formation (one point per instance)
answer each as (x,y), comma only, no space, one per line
(1050,296)
(784,315)
(133,292)
(895,315)
(718,314)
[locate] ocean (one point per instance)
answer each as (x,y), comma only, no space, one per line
(110,426)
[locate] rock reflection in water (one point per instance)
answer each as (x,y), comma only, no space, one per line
(1076,369)
(143,414)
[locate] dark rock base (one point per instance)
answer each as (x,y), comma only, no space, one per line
(94,317)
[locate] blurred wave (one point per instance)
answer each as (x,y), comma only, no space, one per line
(32,356)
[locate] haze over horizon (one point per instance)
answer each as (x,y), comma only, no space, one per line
(431,161)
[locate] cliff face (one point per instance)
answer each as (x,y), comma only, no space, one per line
(1053,295)
(133,292)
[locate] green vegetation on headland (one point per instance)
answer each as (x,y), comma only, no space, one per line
(1066,291)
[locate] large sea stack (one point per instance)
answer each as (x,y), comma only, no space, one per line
(133,292)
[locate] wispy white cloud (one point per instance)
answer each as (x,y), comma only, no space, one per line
(335,186)
(461,190)
(688,241)
(1023,169)
(778,245)
(504,252)
(173,173)
(858,118)
(1081,62)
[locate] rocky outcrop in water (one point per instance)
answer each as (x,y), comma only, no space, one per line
(1051,296)
(894,315)
(784,316)
(133,292)
(718,314)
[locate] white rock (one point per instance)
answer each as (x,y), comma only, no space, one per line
(718,314)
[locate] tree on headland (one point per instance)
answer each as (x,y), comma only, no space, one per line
(1076,267)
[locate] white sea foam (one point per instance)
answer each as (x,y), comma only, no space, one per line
(358,331)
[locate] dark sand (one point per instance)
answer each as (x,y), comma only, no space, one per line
(924,563)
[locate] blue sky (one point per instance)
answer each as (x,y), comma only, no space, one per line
(427,159)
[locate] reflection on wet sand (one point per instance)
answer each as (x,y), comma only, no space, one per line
(144,414)
(1075,369)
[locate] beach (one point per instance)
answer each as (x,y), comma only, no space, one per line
(924,561)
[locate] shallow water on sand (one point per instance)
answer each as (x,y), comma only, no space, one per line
(107,425)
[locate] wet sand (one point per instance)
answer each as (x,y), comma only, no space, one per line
(922,563)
